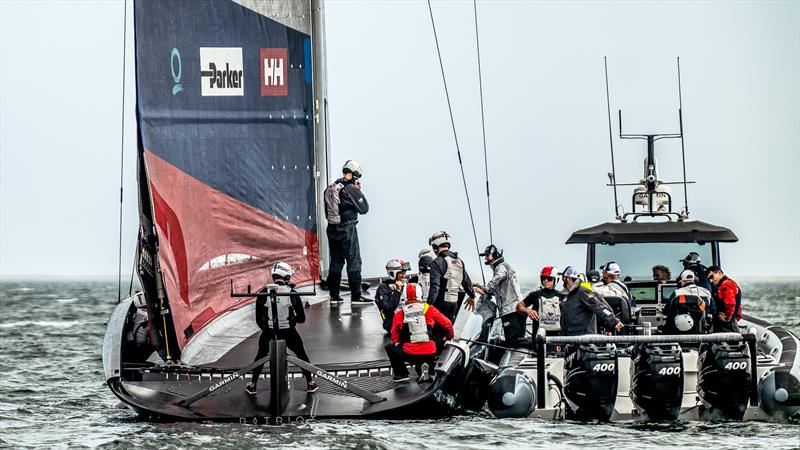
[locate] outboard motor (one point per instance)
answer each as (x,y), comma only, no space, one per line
(657,380)
(512,393)
(723,379)
(590,381)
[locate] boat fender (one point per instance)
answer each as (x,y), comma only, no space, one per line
(512,394)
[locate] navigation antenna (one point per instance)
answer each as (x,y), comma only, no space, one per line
(651,193)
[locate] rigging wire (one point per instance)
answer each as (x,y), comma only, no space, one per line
(122,147)
(611,140)
(455,137)
(483,124)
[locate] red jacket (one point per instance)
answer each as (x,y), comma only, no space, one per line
(432,318)
(727,295)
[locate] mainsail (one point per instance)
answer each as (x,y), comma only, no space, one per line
(226,146)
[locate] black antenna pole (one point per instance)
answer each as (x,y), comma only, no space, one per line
(483,124)
(611,140)
(683,147)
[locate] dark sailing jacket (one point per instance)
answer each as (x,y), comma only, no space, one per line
(439,282)
(352,202)
(581,310)
(297,313)
(388,299)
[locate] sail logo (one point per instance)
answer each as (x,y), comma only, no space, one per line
(177,69)
(274,72)
(221,71)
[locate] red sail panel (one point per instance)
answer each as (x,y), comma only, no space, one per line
(208,238)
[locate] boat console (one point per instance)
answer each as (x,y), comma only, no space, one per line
(649,298)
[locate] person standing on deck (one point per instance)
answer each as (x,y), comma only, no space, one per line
(543,305)
(290,313)
(727,301)
(582,308)
(344,201)
(505,289)
(450,282)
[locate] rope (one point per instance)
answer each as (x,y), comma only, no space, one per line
(455,137)
(122,147)
(483,125)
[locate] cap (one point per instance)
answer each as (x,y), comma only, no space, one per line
(593,276)
(688,275)
(611,267)
(570,272)
(691,258)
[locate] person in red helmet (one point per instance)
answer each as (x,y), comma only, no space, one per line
(543,305)
(412,335)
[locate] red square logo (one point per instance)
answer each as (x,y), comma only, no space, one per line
(274,72)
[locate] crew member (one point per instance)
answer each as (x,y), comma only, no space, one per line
(593,277)
(390,291)
(450,283)
(505,289)
(543,305)
(727,299)
(344,201)
(611,286)
(688,309)
(423,278)
(693,262)
(582,308)
(413,327)
(290,313)
(661,274)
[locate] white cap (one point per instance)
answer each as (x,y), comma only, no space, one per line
(688,275)
(612,268)
(570,272)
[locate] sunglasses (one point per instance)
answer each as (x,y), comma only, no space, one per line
(548,279)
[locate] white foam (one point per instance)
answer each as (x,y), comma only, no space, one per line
(39,323)
(67,300)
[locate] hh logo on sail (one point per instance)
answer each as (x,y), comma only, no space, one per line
(274,72)
(221,71)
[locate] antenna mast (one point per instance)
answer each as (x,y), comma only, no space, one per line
(611,142)
(683,148)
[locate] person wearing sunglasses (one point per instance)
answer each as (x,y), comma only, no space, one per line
(582,308)
(543,306)
(727,300)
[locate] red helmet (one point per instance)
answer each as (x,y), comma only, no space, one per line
(550,272)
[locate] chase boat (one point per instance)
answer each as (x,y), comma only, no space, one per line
(645,373)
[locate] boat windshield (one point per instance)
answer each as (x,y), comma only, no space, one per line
(637,260)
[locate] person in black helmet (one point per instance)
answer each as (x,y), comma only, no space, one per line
(344,201)
(505,289)
(693,262)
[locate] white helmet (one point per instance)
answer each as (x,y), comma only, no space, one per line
(397,265)
(354,167)
(684,322)
(282,270)
(439,238)
(427,252)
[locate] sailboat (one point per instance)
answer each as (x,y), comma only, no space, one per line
(232,163)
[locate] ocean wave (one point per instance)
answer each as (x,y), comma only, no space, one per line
(40,323)
(67,300)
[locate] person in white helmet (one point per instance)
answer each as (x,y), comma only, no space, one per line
(688,310)
(344,201)
(582,308)
(450,282)
(290,312)
(390,292)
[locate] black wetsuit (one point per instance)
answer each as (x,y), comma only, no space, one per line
(439,286)
(388,299)
(293,340)
(343,241)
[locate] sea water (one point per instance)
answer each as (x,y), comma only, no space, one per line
(53,395)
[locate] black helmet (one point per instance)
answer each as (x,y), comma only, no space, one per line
(492,249)
(692,259)
(593,276)
(425,264)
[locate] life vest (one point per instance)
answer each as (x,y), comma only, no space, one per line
(550,313)
(686,314)
(332,197)
(415,327)
(284,307)
(424,282)
(454,276)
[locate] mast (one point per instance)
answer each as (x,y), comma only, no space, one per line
(320,89)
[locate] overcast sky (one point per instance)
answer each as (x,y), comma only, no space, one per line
(546,125)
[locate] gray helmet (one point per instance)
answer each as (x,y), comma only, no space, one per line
(439,238)
(353,167)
